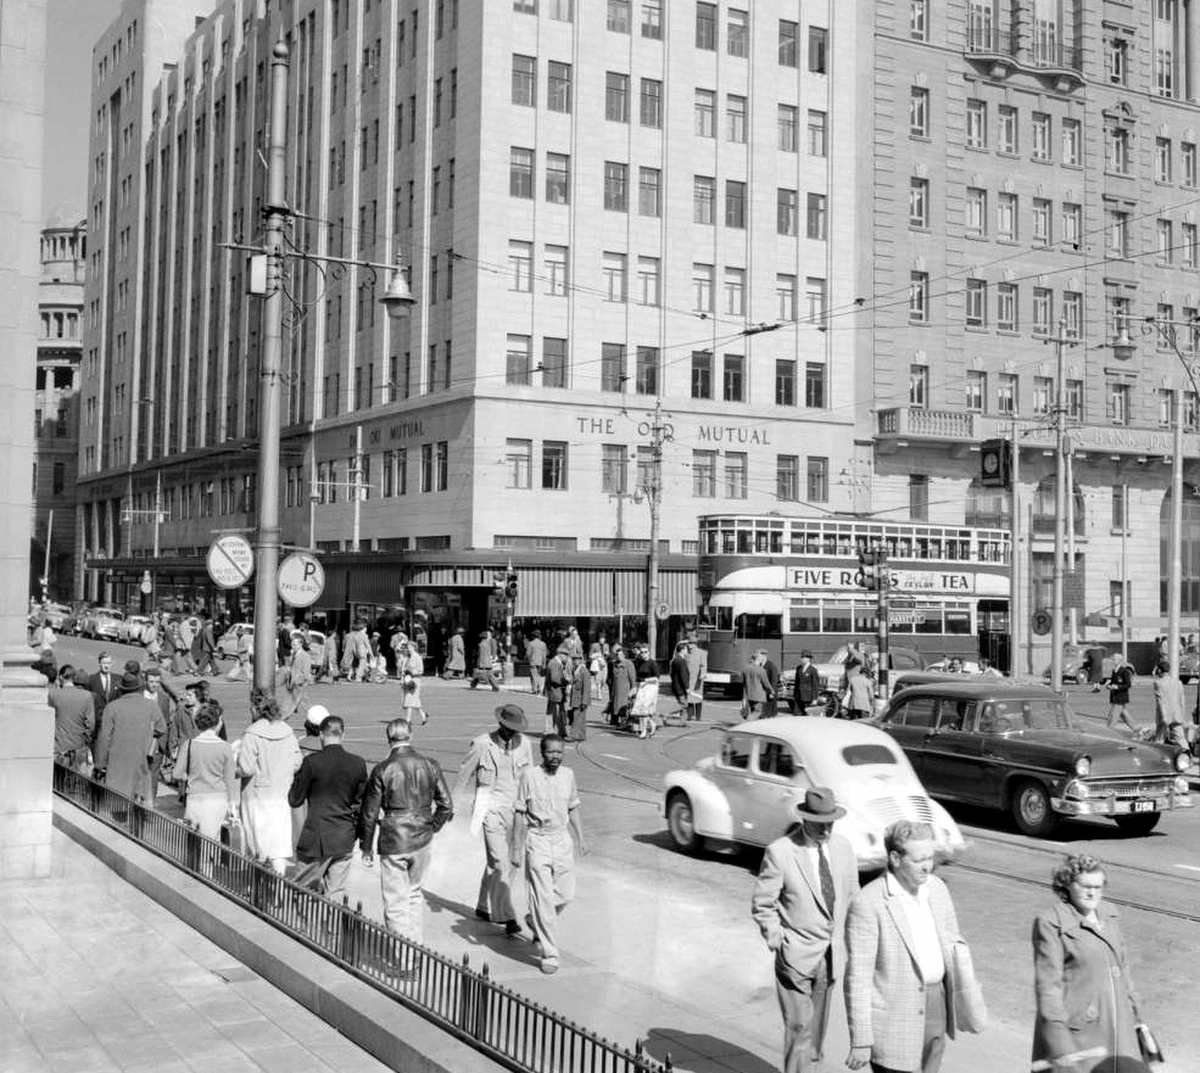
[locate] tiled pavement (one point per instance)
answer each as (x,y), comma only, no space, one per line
(95,977)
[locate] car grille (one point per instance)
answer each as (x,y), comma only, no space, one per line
(1130,789)
(887,810)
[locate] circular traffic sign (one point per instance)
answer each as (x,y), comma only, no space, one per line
(301,579)
(1043,622)
(230,561)
(662,612)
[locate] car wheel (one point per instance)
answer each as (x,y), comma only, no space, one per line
(1141,824)
(681,823)
(1031,809)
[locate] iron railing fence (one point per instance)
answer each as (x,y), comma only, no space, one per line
(516,1032)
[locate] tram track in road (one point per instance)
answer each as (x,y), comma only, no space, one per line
(588,751)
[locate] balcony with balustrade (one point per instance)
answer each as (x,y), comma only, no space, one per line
(900,425)
(1037,50)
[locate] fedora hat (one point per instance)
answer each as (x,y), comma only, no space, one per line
(819,806)
(130,683)
(512,716)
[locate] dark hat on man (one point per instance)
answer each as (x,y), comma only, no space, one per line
(819,806)
(512,716)
(132,666)
(562,650)
(131,683)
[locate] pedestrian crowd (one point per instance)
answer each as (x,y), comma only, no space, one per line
(894,949)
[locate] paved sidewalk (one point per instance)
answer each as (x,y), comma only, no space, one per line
(95,977)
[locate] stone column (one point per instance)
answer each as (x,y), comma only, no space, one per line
(1190,68)
(26,721)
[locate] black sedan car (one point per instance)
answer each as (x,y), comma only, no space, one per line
(1019,747)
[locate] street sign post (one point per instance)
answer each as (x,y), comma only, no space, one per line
(230,562)
(301,579)
(1042,622)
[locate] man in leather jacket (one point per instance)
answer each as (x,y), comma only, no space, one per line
(408,800)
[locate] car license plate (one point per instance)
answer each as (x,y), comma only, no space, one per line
(1145,806)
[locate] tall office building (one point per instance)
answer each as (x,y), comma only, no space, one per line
(599,206)
(1035,179)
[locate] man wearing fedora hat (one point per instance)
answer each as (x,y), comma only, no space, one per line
(128,742)
(804,888)
(494,765)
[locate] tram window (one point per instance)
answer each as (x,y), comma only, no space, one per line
(804,619)
(931,622)
(865,618)
(775,758)
(837,618)
(759,627)
(727,544)
(920,548)
(723,616)
(736,751)
(958,622)
(745,541)
(935,548)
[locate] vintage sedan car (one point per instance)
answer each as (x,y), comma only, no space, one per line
(227,643)
(102,623)
(131,629)
(1005,745)
(1075,662)
(833,672)
(746,793)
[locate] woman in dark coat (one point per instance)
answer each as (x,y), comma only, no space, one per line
(1085,999)
(579,700)
(681,677)
(621,685)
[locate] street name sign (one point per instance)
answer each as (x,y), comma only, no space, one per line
(301,579)
(230,561)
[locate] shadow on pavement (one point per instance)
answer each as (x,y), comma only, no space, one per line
(690,1048)
(748,858)
(487,937)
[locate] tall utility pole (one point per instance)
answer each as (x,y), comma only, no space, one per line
(276,212)
(1015,621)
(660,432)
(1175,563)
(1061,342)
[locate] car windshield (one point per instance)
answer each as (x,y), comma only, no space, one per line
(1035,713)
(857,755)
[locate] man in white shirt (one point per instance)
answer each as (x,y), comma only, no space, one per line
(899,933)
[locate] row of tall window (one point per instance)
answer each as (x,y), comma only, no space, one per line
(1002,215)
(340,482)
(1000,305)
(1007,130)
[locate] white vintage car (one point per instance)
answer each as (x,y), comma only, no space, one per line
(746,793)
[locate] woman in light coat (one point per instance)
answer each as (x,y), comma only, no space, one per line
(1085,1000)
(298,677)
(268,757)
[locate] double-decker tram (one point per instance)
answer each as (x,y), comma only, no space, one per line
(790,584)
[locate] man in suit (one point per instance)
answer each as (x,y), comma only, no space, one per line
(803,891)
(756,686)
(807,686)
(74,719)
(899,933)
(331,782)
(558,682)
(105,685)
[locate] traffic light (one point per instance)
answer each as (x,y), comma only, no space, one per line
(868,570)
(510,587)
(995,464)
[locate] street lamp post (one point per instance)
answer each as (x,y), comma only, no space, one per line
(1061,342)
(397,299)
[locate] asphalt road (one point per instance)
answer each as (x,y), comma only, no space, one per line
(999,885)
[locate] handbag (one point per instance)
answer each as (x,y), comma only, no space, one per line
(966,996)
(1151,1051)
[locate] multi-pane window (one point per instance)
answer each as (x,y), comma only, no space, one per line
(1072,142)
(614,468)
(735,291)
(976,398)
(735,117)
(785,296)
(818,133)
(789,37)
(558,86)
(520,264)
(814,385)
(524,81)
(976,303)
(918,202)
(1119,398)
(1043,392)
(1116,149)
(1006,216)
(1162,160)
(649,192)
(736,474)
(650,103)
(976,211)
(646,373)
(1006,307)
(1164,72)
(737,33)
(705,113)
(1072,223)
(704,474)
(616,181)
(1116,60)
(789,128)
(649,274)
(612,367)
(787,478)
(786,211)
(1043,310)
(706,26)
(618,16)
(703,286)
(785,382)
(918,297)
(815,296)
(918,111)
(1187,163)
(554,362)
(1006,129)
(1041,221)
(558,178)
(556,270)
(1164,241)
(652,19)
(977,124)
(733,378)
(735,203)
(1187,245)
(918,385)
(518,462)
(554,465)
(614,267)
(818,49)
(817,490)
(1074,393)
(918,20)
(815,216)
(518,361)
(704,197)
(1118,232)
(616,97)
(1007,393)
(520,172)
(702,371)
(1039,136)
(1166,406)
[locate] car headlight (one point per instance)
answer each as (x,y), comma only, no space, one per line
(1076,789)
(1083,766)
(1181,785)
(1183,761)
